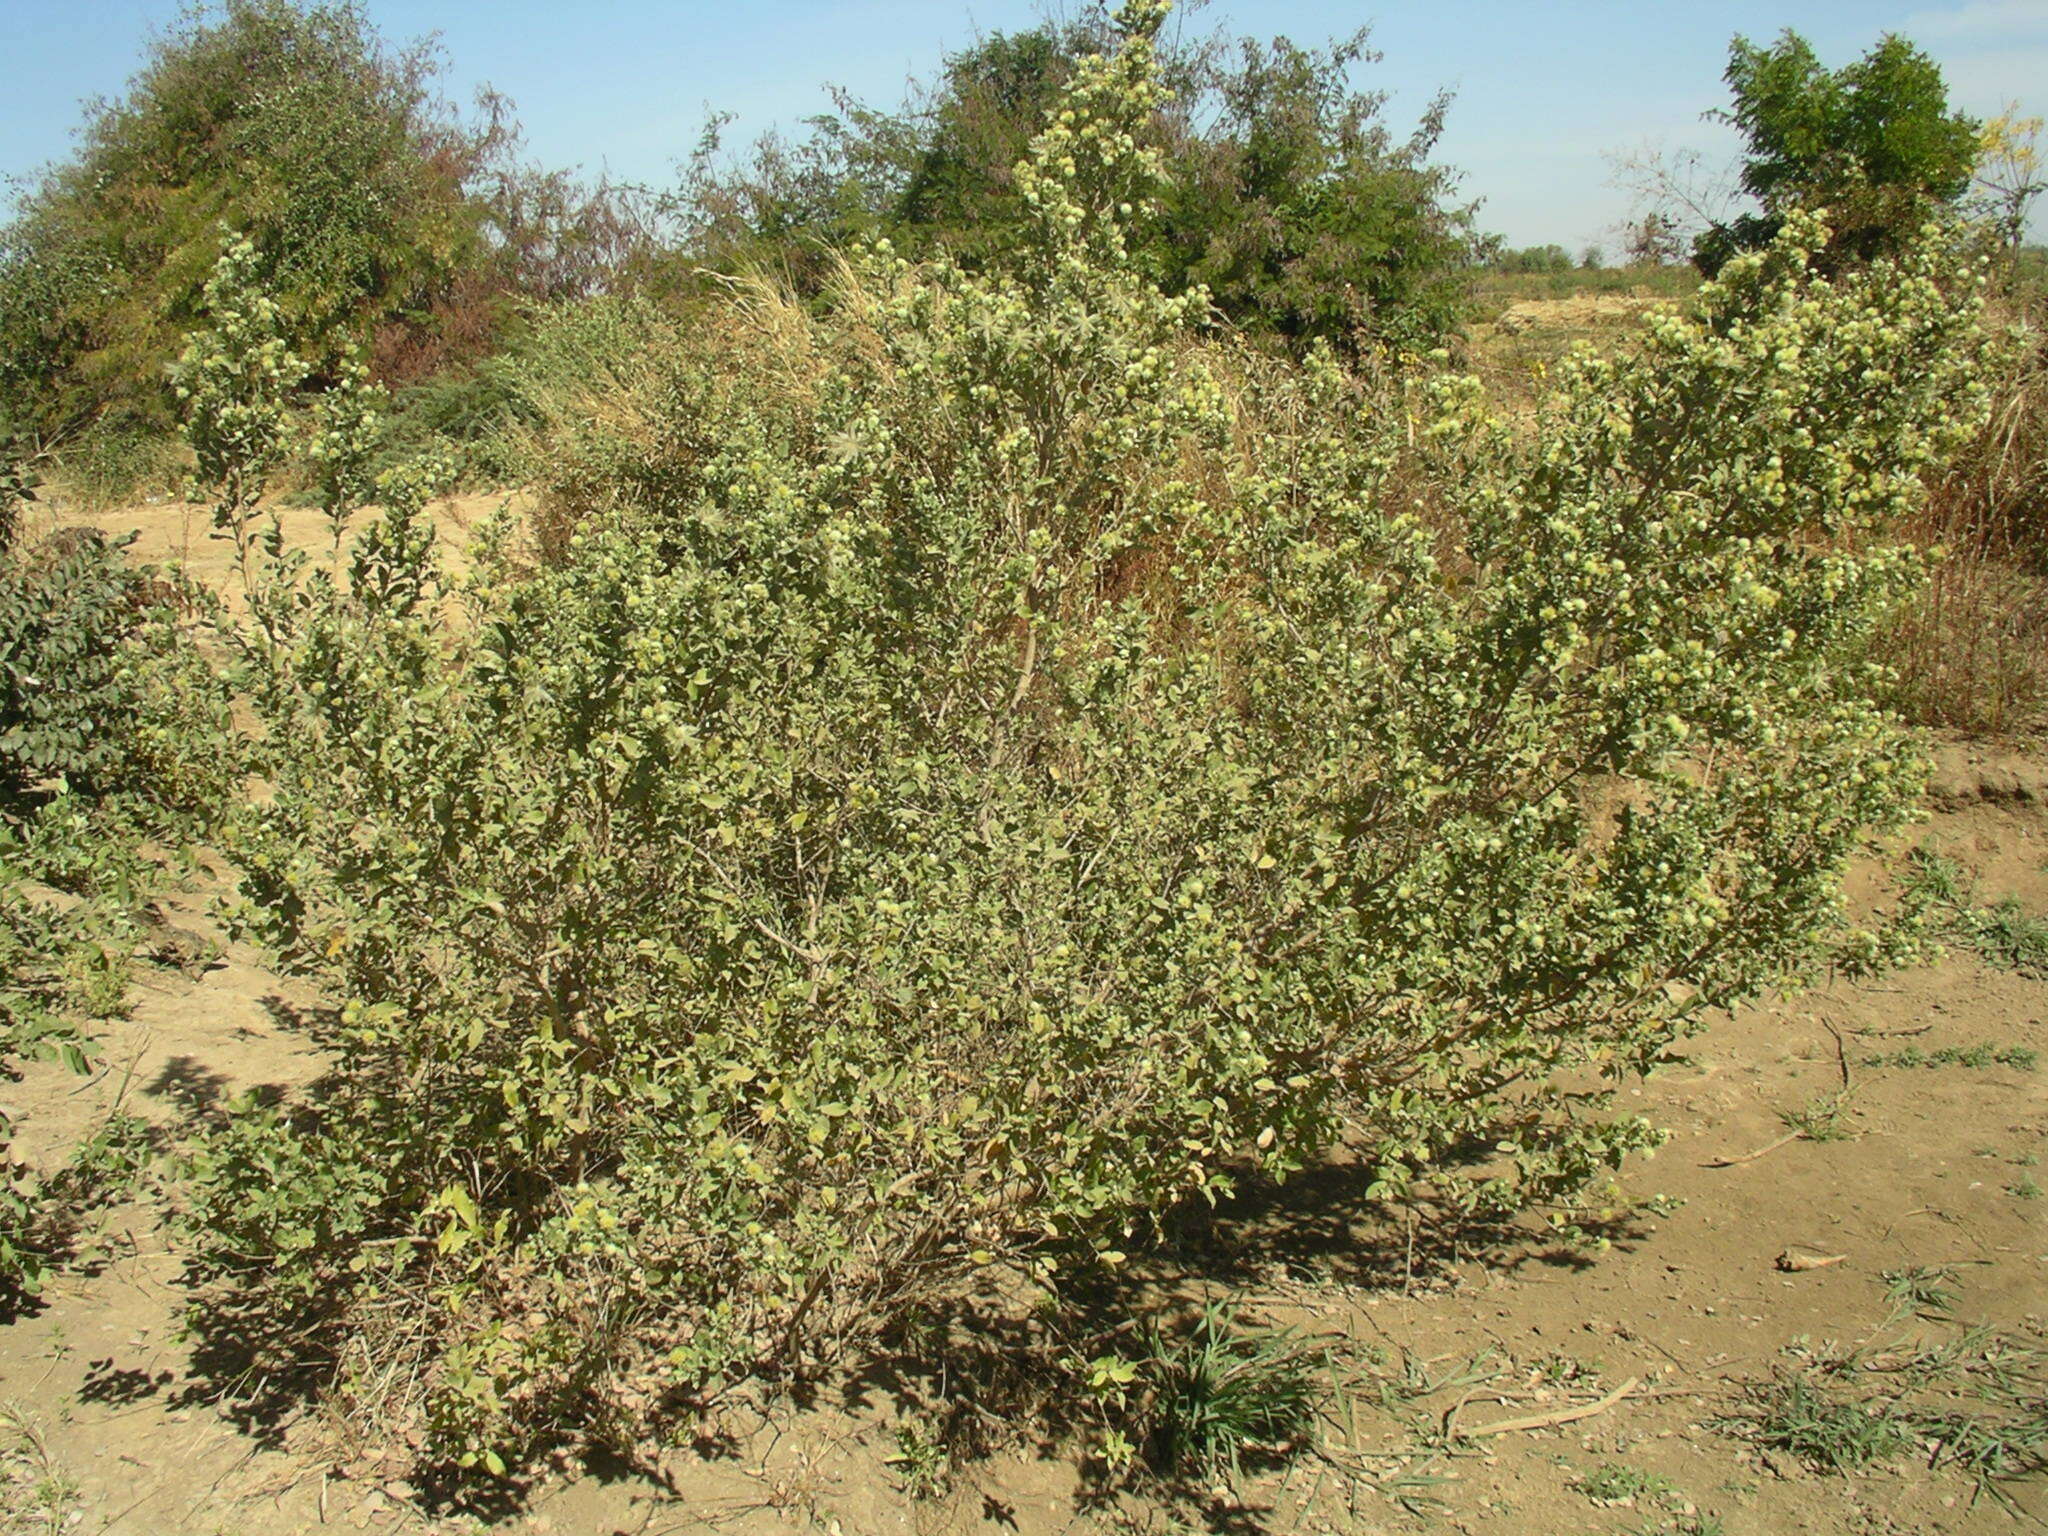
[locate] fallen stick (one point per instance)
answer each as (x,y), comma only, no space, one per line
(1750,1157)
(1557,1416)
(1794,1262)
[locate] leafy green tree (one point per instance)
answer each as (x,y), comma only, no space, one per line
(293,128)
(373,209)
(1538,258)
(1875,143)
(1285,194)
(1293,203)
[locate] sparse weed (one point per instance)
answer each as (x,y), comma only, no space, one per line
(1557,1367)
(1819,1425)
(1975,1398)
(1923,1288)
(922,1459)
(1616,1482)
(1420,1378)
(2004,933)
(37,1496)
(1825,1119)
(1990,1452)
(1980,1056)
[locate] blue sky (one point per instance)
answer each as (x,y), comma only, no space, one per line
(1546,89)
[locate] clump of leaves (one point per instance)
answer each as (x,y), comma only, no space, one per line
(996,762)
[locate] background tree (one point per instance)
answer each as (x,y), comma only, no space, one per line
(2009,175)
(368,200)
(1874,142)
(1286,193)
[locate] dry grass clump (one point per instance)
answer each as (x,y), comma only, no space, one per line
(1971,651)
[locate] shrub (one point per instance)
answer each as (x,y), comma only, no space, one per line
(98,688)
(1971,651)
(112,728)
(994,765)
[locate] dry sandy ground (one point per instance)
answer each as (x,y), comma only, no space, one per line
(168,529)
(117,1429)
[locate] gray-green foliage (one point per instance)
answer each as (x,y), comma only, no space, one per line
(996,765)
(233,383)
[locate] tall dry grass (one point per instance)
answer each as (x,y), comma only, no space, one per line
(1971,652)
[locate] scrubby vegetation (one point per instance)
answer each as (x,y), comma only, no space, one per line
(377,215)
(985,762)
(1036,696)
(1875,141)
(113,728)
(1286,197)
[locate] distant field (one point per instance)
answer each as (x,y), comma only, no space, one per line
(1496,291)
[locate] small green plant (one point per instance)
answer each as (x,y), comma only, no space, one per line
(2025,1187)
(110,1165)
(1923,1288)
(921,1459)
(1616,1482)
(1557,1368)
(1225,1390)
(345,432)
(1825,1119)
(1822,1427)
(2006,934)
(234,383)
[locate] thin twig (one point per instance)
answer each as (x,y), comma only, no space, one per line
(1750,1157)
(1557,1416)
(1841,1051)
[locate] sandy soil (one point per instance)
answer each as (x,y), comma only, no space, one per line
(113,1425)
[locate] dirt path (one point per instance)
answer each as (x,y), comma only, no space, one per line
(113,1427)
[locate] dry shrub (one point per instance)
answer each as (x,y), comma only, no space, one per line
(1971,651)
